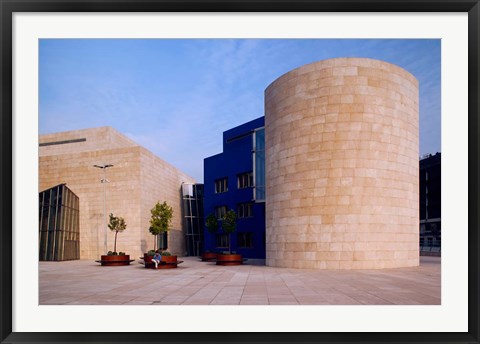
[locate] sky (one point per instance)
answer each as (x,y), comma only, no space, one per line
(176,97)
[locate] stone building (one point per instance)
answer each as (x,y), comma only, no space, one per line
(342,176)
(135,182)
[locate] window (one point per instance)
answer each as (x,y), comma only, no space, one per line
(222,240)
(245,210)
(245,240)
(245,180)
(220,211)
(162,241)
(221,185)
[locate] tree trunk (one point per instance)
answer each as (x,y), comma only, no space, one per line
(115,245)
(229,243)
(154,242)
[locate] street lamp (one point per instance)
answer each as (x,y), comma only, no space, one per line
(104,180)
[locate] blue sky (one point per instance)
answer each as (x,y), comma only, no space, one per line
(176,96)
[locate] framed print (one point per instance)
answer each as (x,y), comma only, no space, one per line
(345,98)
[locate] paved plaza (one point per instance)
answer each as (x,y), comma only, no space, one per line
(84,282)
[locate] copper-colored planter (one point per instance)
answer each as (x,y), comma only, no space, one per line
(209,257)
(229,259)
(168,262)
(115,260)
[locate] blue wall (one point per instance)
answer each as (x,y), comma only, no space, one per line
(235,159)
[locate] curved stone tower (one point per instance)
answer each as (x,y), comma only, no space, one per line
(342,166)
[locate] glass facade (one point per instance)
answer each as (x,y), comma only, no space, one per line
(430,204)
(59,224)
(192,197)
(259,164)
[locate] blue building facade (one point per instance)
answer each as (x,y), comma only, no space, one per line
(235,179)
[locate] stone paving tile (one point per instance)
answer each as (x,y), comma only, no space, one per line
(254,300)
(199,283)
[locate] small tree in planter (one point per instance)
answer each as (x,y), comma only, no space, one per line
(161,217)
(229,225)
(116,224)
(211,223)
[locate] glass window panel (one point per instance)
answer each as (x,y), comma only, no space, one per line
(194,208)
(222,240)
(55,196)
(260,139)
(187,207)
(187,190)
(46,197)
(221,185)
(259,164)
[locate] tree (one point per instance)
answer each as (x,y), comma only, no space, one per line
(116,224)
(162,215)
(211,223)
(229,224)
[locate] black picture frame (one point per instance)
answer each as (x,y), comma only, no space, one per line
(9,7)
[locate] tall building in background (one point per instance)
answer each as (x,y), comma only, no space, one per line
(430,204)
(235,179)
(132,181)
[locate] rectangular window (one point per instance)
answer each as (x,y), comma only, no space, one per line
(245,239)
(222,240)
(220,211)
(221,185)
(244,210)
(162,241)
(245,180)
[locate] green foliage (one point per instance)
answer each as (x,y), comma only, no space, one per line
(211,223)
(151,253)
(162,215)
(109,253)
(160,220)
(117,224)
(229,221)
(121,253)
(115,253)
(166,253)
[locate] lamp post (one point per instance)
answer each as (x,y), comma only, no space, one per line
(104,181)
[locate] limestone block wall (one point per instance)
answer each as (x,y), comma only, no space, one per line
(342,166)
(85,140)
(122,195)
(162,182)
(136,181)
